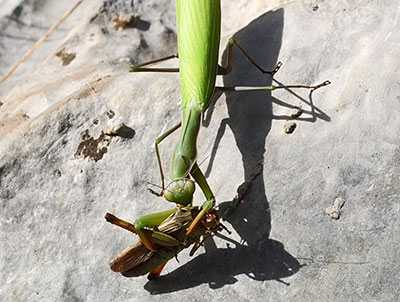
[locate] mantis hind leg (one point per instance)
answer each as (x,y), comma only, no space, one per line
(228,68)
(141,68)
(272,87)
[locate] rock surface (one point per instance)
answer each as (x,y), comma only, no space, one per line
(60,173)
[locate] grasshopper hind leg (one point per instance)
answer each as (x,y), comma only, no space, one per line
(156,272)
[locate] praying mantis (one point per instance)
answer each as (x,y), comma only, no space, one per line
(198,34)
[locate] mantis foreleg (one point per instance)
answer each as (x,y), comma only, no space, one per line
(210,199)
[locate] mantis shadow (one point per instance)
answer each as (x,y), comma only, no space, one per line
(250,117)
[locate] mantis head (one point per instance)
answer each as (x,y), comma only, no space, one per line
(180,191)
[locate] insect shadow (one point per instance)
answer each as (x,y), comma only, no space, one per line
(250,117)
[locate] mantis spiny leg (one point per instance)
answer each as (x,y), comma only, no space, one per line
(210,199)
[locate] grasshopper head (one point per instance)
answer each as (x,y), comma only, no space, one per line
(180,191)
(211,219)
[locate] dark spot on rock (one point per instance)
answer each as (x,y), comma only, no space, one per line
(96,121)
(65,57)
(11,170)
(142,25)
(37,5)
(17,11)
(169,36)
(64,124)
(57,173)
(130,21)
(104,30)
(1,103)
(93,18)
(143,43)
(122,131)
(93,148)
(110,114)
(69,292)
(315,8)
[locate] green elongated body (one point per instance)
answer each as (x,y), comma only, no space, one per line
(199,25)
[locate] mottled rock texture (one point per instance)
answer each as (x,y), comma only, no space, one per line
(60,171)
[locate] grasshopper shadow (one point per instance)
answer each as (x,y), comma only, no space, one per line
(250,117)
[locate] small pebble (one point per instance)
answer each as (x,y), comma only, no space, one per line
(334,211)
(289,127)
(296,112)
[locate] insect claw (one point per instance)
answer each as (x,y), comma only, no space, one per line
(275,70)
(277,67)
(155,193)
(321,85)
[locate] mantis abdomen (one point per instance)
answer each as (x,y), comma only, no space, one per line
(198,24)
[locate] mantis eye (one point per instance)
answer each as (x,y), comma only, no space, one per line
(180,191)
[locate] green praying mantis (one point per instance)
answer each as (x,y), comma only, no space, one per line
(198,25)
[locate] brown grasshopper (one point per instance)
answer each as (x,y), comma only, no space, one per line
(169,239)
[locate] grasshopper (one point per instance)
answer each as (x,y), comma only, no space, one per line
(170,239)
